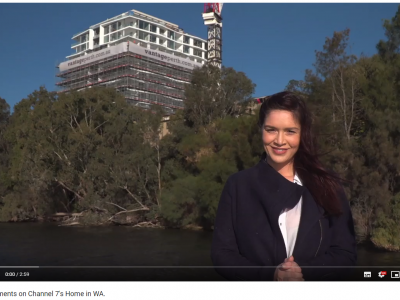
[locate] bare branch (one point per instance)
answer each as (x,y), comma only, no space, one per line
(133,196)
(128,211)
(101,124)
(116,205)
(76,122)
(67,188)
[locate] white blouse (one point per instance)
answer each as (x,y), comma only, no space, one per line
(289,221)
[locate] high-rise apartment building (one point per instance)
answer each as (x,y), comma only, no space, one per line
(145,58)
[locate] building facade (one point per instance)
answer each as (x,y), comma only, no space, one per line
(147,59)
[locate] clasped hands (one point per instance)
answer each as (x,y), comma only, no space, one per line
(289,270)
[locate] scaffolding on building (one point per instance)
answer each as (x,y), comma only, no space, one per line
(142,80)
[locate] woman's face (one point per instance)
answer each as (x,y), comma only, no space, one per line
(281,136)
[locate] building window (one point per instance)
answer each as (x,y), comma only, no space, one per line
(130,23)
(113,27)
(171,45)
(161,41)
(113,37)
(206,46)
(106,39)
(143,25)
(186,49)
(143,36)
(171,34)
(197,43)
(186,39)
(162,31)
(153,38)
(153,28)
(106,30)
(197,53)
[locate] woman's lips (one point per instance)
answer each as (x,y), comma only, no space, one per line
(279,151)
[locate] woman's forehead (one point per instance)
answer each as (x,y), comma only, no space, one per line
(281,116)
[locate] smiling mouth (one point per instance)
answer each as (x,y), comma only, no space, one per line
(279,150)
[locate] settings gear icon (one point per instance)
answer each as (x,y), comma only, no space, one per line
(382,274)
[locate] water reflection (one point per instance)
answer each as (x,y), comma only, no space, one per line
(50,245)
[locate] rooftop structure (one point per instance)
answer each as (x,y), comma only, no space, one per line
(147,59)
(212,18)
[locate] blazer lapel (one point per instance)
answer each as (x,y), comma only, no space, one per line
(277,195)
(311,212)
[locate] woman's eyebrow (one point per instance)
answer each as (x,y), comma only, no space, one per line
(290,128)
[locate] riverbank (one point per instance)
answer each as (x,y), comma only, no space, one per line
(137,220)
(100,219)
(46,244)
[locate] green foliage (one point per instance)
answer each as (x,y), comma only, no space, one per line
(90,151)
(215,93)
(4,146)
(389,48)
(210,140)
(357,113)
(86,150)
(386,232)
(225,147)
(179,202)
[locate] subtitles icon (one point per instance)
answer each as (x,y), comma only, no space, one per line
(367,274)
(395,274)
(382,274)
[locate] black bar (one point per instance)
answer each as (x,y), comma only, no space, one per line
(165,274)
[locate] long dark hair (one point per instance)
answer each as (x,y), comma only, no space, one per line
(323,185)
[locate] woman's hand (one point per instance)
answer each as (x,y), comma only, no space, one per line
(289,270)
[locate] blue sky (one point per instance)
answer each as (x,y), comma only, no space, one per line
(271,43)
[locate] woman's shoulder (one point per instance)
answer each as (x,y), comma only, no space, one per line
(243,175)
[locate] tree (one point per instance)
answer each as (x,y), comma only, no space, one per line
(215,93)
(208,141)
(356,109)
(389,48)
(4,146)
(82,151)
(340,70)
(29,178)
(225,147)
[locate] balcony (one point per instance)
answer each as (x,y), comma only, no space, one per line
(77,44)
(124,15)
(79,33)
(117,37)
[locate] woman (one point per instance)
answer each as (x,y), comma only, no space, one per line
(287,218)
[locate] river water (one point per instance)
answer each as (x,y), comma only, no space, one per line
(169,253)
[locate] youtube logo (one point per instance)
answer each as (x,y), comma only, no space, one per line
(382,274)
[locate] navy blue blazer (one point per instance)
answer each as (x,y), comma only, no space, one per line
(247,233)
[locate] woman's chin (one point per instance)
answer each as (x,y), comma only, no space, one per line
(278,159)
